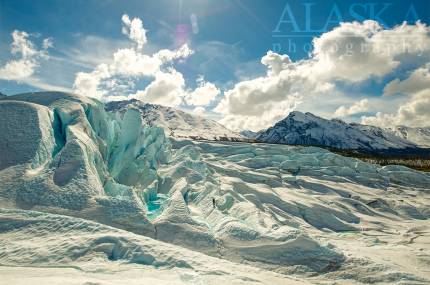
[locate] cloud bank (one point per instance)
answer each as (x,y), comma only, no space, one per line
(358,107)
(415,111)
(351,54)
(117,79)
(342,60)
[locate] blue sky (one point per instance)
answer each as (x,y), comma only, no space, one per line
(229,40)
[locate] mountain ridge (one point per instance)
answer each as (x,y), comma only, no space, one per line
(175,122)
(308,129)
(418,135)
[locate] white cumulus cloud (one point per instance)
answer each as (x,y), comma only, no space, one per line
(203,95)
(117,78)
(28,57)
(274,113)
(257,102)
(134,30)
(359,107)
(275,62)
(358,51)
(417,81)
(167,89)
(415,111)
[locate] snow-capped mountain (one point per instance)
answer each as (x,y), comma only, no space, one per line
(419,136)
(307,129)
(2,95)
(176,123)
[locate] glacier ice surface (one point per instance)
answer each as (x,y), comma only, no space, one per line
(279,208)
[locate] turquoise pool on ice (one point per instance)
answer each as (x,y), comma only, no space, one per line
(156,207)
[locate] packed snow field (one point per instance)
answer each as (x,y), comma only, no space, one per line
(95,197)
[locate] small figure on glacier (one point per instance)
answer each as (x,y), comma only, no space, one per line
(213,202)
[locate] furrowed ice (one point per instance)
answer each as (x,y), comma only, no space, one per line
(268,206)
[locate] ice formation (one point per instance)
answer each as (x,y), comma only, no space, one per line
(83,187)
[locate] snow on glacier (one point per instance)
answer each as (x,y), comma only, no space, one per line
(56,249)
(283,209)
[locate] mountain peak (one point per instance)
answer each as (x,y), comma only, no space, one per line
(297,115)
(301,116)
(308,129)
(175,122)
(294,116)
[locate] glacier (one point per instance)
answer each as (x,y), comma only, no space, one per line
(84,190)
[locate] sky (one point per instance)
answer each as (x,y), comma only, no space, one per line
(245,63)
